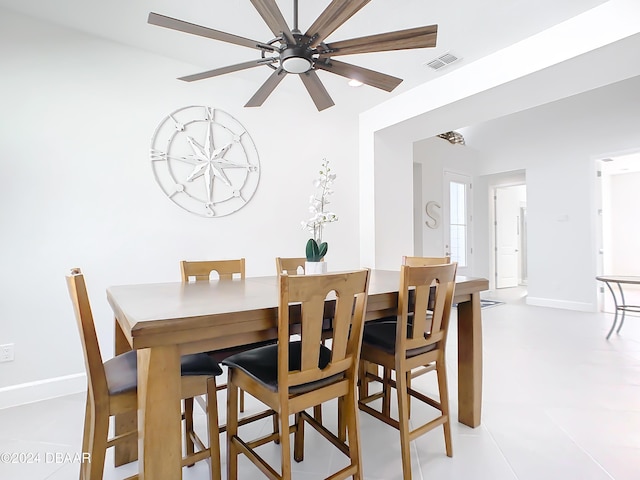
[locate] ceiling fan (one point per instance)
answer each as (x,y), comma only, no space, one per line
(304,53)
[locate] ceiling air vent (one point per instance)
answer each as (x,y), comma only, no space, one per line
(442,61)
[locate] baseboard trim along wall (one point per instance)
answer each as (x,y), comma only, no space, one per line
(42,390)
(564,304)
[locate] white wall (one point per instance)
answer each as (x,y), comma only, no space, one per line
(624,191)
(436,156)
(546,67)
(557,145)
(78,114)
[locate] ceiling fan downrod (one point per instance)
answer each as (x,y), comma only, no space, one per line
(295,17)
(296,58)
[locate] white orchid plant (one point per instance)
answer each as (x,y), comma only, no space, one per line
(316,249)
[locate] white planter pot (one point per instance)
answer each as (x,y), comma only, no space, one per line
(311,268)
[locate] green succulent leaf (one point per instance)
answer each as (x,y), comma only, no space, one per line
(322,250)
(312,250)
(315,252)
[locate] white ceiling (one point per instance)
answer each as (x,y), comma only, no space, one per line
(622,164)
(469,29)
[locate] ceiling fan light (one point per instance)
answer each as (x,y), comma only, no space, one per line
(296,65)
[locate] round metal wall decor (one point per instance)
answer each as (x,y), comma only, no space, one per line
(205,161)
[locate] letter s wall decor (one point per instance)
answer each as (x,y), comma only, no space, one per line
(433,212)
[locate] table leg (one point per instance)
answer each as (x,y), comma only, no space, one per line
(127,450)
(615,309)
(159,440)
(470,361)
(623,304)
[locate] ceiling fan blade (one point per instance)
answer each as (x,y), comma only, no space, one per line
(338,12)
(364,75)
(267,87)
(231,68)
(271,14)
(316,89)
(420,37)
(182,26)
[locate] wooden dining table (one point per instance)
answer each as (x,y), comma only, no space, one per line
(165,320)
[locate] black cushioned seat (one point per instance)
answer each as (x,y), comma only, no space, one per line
(122,371)
(220,355)
(382,335)
(262,365)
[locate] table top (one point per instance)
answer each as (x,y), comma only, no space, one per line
(160,309)
(619,279)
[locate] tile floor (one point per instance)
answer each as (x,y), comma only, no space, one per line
(560,402)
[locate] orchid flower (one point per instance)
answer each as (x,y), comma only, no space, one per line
(318,202)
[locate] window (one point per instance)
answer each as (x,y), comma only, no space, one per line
(458,222)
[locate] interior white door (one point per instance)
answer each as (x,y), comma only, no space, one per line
(507,211)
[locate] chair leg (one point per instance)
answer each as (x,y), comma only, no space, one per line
(403,423)
(441,371)
(363,384)
(285,442)
(241,401)
(298,439)
(317,413)
(350,410)
(276,428)
(213,429)
(86,435)
(232,428)
(98,442)
(342,422)
(188,428)
(386,392)
(408,396)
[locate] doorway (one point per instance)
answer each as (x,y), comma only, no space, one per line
(619,229)
(510,235)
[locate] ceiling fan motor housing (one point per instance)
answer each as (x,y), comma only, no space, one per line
(296,59)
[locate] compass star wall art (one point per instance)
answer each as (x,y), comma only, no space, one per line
(205,161)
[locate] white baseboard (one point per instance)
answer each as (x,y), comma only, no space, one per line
(564,304)
(42,390)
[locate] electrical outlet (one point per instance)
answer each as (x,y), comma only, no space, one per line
(6,352)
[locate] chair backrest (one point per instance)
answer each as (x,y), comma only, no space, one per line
(201,270)
(306,294)
(290,265)
(424,261)
(96,377)
(430,323)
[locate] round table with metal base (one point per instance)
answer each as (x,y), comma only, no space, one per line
(620,304)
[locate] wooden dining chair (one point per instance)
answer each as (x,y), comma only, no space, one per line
(290,265)
(294,375)
(424,261)
(404,345)
(112,390)
(201,270)
(226,270)
(386,373)
(296,266)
